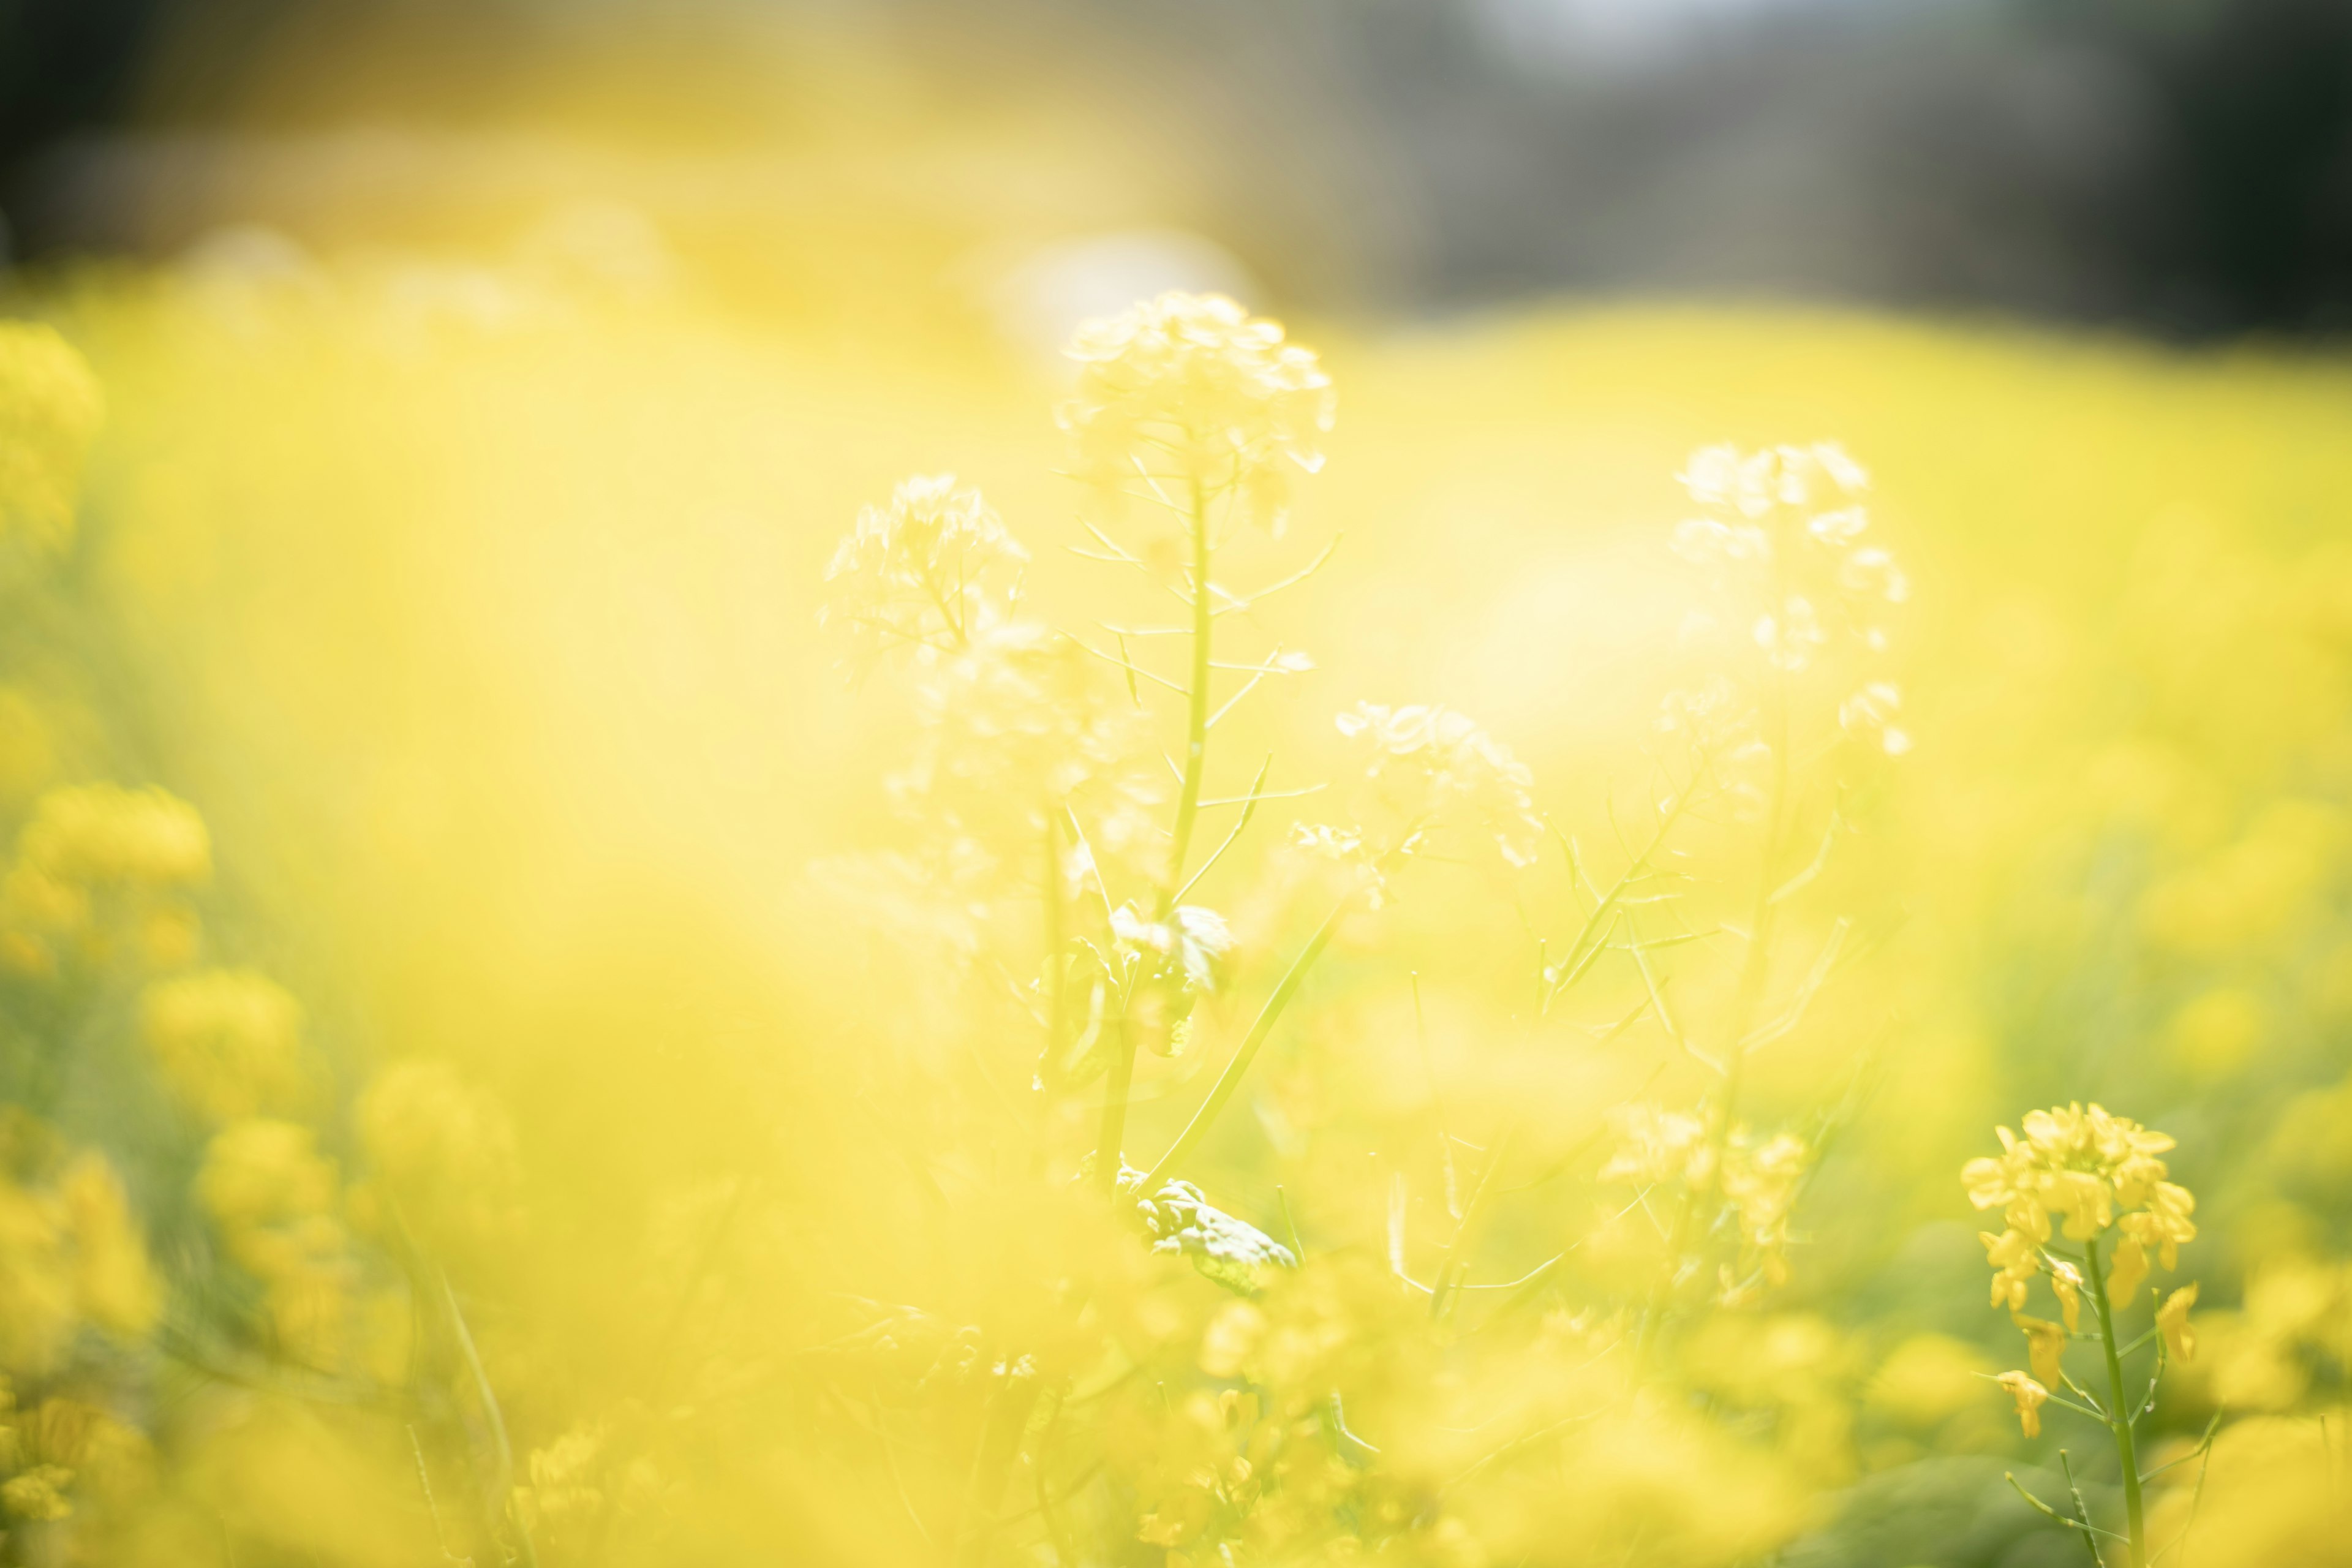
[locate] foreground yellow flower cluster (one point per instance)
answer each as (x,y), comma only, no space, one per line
(2096,1172)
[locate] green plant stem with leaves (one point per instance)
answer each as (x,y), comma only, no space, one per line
(1116,1092)
(1755,971)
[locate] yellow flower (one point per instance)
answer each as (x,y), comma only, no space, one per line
(50,407)
(2066,1284)
(264,1172)
(2127,1270)
(2045,1343)
(2087,1201)
(38,1494)
(2172,1319)
(2012,1253)
(1655,1144)
(444,1150)
(2029,1396)
(1430,762)
(2099,1170)
(2165,1224)
(104,834)
(116,1287)
(934,569)
(1196,379)
(229,1043)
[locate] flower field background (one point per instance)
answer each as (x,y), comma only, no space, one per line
(540,1026)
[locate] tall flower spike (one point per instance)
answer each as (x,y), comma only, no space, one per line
(1192,387)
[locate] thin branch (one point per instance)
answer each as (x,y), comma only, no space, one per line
(1798,1004)
(1249,809)
(1298,793)
(1798,883)
(1132,668)
(1229,1079)
(1291,582)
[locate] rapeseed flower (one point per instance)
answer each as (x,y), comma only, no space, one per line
(931,571)
(228,1043)
(1191,387)
(2096,1171)
(2172,1321)
(1430,761)
(2045,1345)
(2030,1395)
(50,407)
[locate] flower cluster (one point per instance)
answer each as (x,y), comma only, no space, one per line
(1757,1181)
(1430,761)
(443,1151)
(1022,715)
(1195,381)
(595,1476)
(63,1450)
(96,859)
(276,1201)
(2096,1171)
(71,1255)
(1783,531)
(932,570)
(228,1043)
(53,408)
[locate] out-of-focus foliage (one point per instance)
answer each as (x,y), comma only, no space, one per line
(511,1056)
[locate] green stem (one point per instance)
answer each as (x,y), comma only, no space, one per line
(2120,1421)
(1755,970)
(1056,941)
(1112,1136)
(1196,715)
(1114,1111)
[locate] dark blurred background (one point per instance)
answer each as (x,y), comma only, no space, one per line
(2182,166)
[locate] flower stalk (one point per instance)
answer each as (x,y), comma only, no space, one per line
(2120,1414)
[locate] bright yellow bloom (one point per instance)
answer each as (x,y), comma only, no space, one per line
(2045,1343)
(2098,1171)
(2087,1201)
(2066,1284)
(2172,1319)
(2165,1224)
(2127,1270)
(2013,1255)
(2029,1396)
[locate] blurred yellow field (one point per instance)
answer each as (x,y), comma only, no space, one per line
(555,1011)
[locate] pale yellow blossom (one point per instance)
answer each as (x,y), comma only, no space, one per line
(2029,1396)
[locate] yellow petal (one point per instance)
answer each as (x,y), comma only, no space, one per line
(2128,1270)
(2172,1319)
